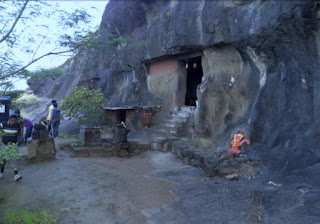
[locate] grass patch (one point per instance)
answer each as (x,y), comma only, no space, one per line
(26,216)
(200,143)
(77,143)
(106,203)
(66,135)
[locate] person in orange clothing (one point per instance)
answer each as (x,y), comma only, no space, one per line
(237,142)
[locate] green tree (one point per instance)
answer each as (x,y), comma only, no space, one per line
(16,35)
(85,105)
(8,152)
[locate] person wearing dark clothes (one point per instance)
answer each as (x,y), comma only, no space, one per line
(11,125)
(21,122)
(55,120)
(29,126)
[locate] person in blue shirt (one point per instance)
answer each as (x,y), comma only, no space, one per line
(54,121)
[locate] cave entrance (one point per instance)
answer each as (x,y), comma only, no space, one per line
(194,76)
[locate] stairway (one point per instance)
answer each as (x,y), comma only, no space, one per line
(179,124)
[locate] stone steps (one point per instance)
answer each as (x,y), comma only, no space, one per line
(178,122)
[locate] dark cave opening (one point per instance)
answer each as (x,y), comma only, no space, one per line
(194,76)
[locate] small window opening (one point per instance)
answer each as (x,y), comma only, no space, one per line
(194,76)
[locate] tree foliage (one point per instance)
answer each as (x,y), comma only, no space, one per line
(85,105)
(8,152)
(16,36)
(76,38)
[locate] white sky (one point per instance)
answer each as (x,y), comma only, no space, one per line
(53,61)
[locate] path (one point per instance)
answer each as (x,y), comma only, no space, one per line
(154,188)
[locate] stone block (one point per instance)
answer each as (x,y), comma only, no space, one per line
(96,152)
(32,151)
(91,136)
(233,176)
(116,148)
(124,145)
(107,145)
(133,145)
(107,153)
(156,146)
(164,150)
(41,149)
(160,140)
(143,145)
(120,134)
(177,148)
(80,152)
(123,153)
(166,146)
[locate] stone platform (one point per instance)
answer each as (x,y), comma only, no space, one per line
(124,149)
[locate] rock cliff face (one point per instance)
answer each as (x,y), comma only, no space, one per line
(259,60)
(260,63)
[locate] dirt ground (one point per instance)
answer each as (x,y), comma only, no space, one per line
(152,188)
(88,190)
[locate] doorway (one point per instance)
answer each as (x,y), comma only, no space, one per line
(194,76)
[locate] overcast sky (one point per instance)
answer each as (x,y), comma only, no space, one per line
(54,61)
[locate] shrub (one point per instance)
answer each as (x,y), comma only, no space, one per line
(8,152)
(85,105)
(25,100)
(77,143)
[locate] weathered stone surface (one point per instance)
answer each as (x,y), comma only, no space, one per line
(161,140)
(120,134)
(166,146)
(96,152)
(124,145)
(195,162)
(133,145)
(91,136)
(39,132)
(164,150)
(156,146)
(226,168)
(123,153)
(186,160)
(143,145)
(209,170)
(234,176)
(80,152)
(41,149)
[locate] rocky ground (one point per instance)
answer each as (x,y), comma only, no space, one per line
(153,187)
